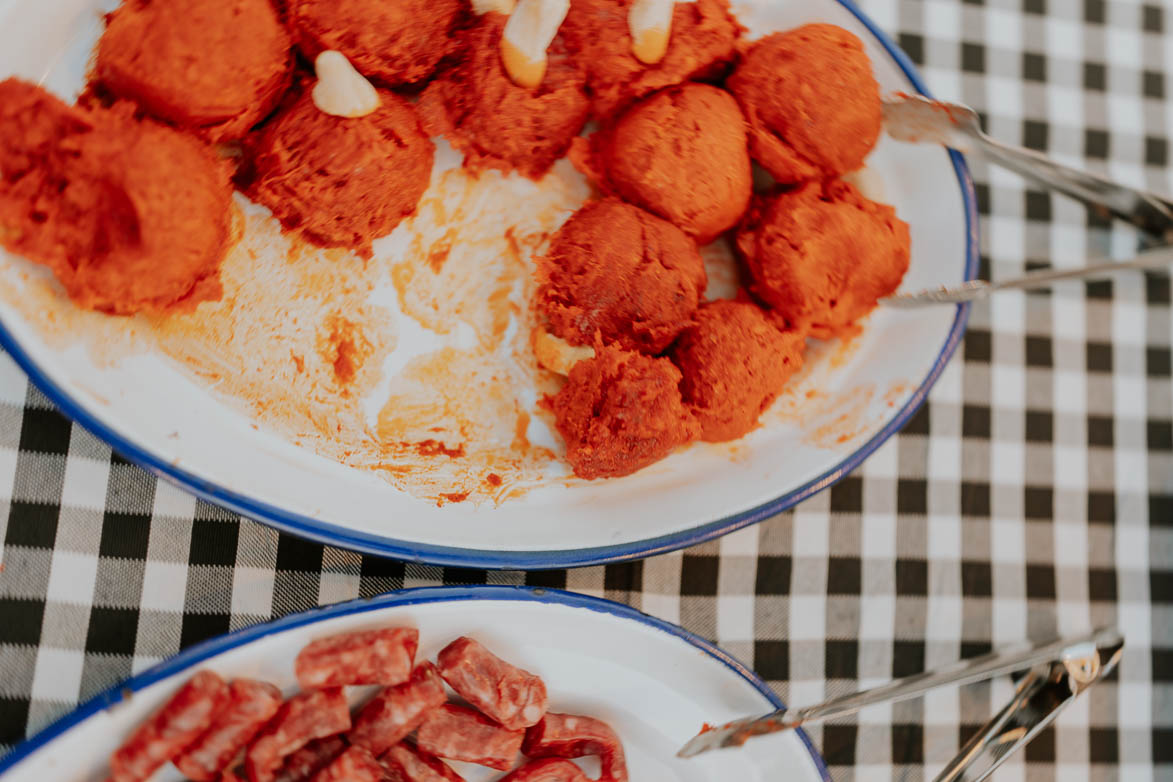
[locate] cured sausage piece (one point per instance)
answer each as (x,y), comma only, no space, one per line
(354,765)
(405,763)
(509,695)
(234,774)
(397,711)
(250,705)
(459,733)
(310,759)
(301,719)
(169,730)
(547,770)
(365,657)
(572,736)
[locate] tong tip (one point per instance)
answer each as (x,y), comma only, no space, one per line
(736,733)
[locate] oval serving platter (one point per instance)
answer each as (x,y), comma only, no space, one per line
(849,403)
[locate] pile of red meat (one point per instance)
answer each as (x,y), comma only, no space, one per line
(246,730)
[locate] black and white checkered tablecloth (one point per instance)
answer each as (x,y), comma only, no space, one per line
(1032,496)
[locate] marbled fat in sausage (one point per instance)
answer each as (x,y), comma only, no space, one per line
(509,695)
(169,730)
(459,733)
(547,770)
(301,719)
(310,759)
(382,656)
(396,711)
(249,706)
(572,736)
(354,765)
(407,763)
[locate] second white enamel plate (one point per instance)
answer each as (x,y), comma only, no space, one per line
(652,682)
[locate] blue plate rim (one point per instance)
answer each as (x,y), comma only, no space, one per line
(204,650)
(548,559)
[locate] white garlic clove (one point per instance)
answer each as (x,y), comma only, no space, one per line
(528,34)
(341,91)
(869,182)
(650,22)
(485,6)
(558,355)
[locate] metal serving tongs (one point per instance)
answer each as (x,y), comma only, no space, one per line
(1056,673)
(916,119)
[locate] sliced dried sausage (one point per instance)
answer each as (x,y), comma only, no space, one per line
(354,765)
(397,711)
(572,736)
(406,763)
(509,695)
(310,759)
(301,719)
(250,704)
(169,730)
(459,733)
(365,657)
(547,770)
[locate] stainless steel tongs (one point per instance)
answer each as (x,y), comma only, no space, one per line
(916,119)
(1055,674)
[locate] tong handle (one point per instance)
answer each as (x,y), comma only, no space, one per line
(1062,652)
(963,672)
(1145,210)
(916,118)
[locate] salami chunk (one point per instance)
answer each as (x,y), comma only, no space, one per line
(170,729)
(547,770)
(572,736)
(365,657)
(300,720)
(354,765)
(250,704)
(232,774)
(310,759)
(459,733)
(507,694)
(405,763)
(397,711)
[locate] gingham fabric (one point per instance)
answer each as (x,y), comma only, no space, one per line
(1032,496)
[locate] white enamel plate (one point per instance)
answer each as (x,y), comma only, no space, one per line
(846,405)
(654,683)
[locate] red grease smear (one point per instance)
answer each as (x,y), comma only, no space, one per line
(431,447)
(345,349)
(444,499)
(439,253)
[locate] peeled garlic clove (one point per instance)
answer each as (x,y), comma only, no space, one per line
(500,6)
(558,355)
(528,34)
(650,22)
(868,182)
(341,91)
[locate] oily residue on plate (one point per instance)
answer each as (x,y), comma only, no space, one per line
(310,342)
(834,417)
(417,364)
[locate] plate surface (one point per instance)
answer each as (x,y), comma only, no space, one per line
(654,683)
(846,405)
